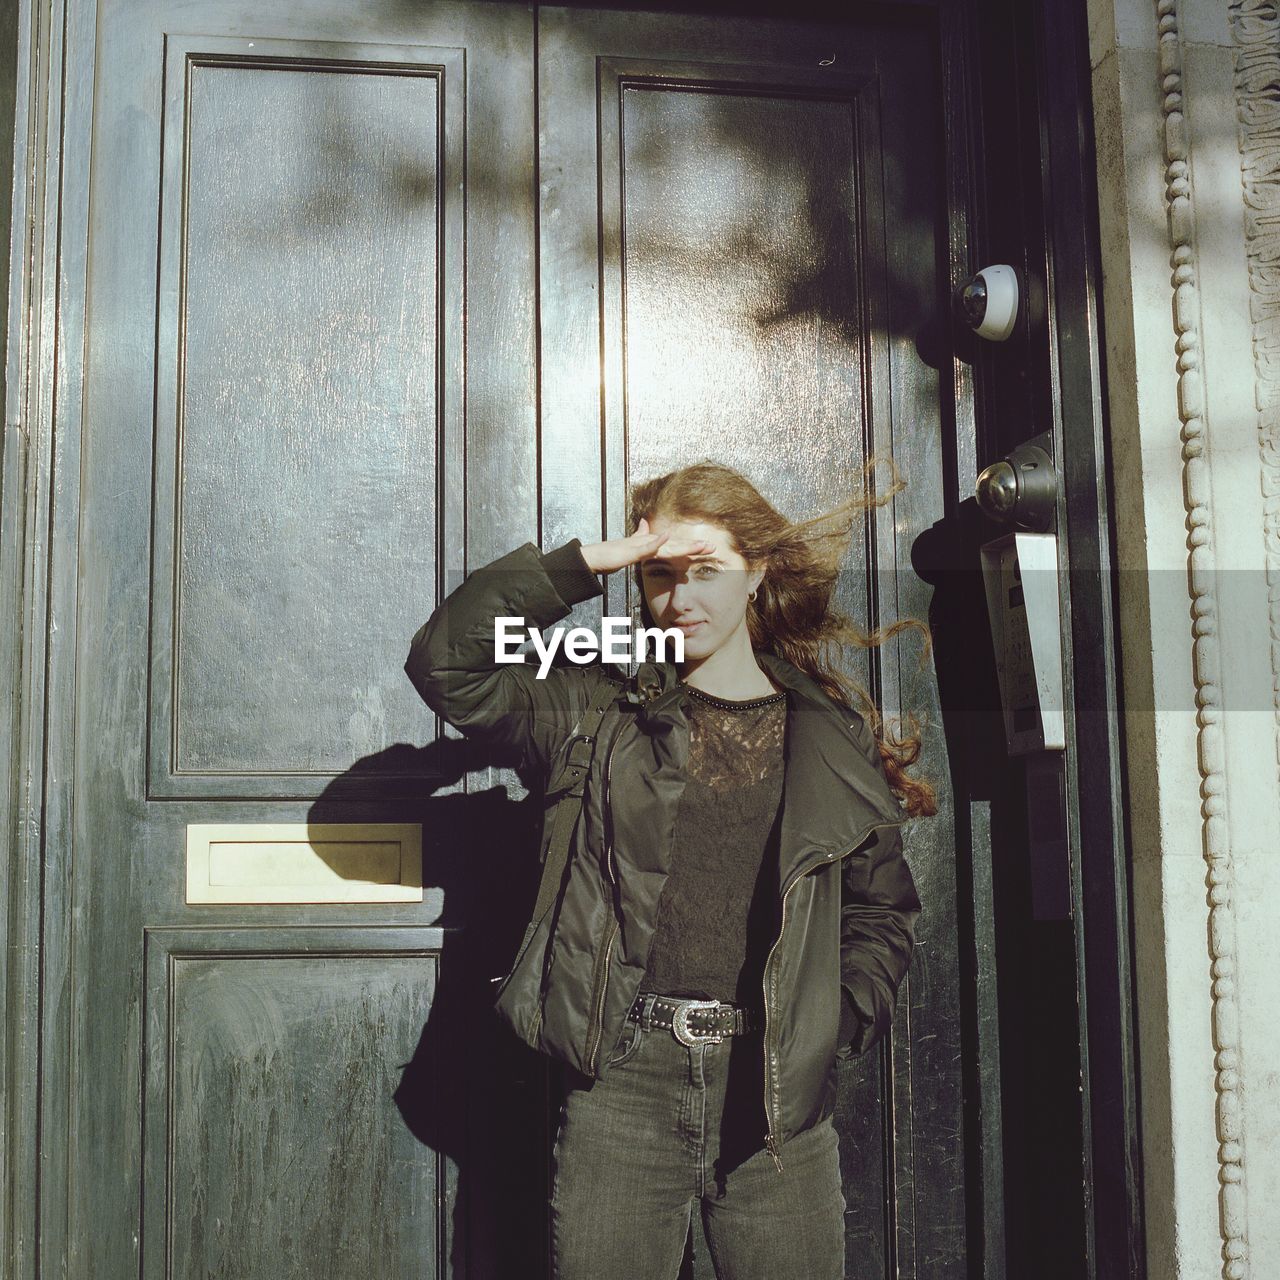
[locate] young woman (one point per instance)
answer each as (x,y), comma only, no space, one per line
(736,914)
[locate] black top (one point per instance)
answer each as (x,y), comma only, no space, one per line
(717,913)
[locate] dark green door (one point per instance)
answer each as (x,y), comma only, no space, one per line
(372,294)
(741,229)
(272,479)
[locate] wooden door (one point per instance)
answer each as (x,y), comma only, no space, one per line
(741,238)
(366,304)
(273,477)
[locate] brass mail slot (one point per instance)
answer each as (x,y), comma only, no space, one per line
(304,862)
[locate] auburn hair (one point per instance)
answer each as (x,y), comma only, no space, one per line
(792,615)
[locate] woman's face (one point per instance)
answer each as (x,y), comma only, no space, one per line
(704,594)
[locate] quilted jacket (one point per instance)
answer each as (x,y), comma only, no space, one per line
(848,901)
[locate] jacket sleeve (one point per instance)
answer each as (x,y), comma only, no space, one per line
(879,908)
(452,662)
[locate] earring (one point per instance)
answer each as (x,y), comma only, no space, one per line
(751,595)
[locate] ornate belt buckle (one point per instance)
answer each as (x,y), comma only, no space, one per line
(680,1023)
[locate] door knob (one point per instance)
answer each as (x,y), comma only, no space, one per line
(1021,489)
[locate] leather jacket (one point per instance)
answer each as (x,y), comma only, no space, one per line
(848,901)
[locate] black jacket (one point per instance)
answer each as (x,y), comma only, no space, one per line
(849,904)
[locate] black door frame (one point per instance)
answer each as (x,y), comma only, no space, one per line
(1021,189)
(1036,154)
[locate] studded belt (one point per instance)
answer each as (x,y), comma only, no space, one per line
(693,1021)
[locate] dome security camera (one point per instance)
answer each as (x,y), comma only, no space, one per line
(988,303)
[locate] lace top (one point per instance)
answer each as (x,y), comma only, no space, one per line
(717,913)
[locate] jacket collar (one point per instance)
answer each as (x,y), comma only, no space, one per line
(832,793)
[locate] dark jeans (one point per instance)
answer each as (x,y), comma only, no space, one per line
(670,1124)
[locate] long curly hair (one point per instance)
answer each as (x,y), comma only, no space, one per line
(792,615)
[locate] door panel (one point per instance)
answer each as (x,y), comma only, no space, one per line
(272,486)
(270,1146)
(740,237)
(305,231)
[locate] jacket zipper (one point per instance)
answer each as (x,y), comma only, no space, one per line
(771,1143)
(601,979)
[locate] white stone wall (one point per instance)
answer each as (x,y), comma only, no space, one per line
(1187,120)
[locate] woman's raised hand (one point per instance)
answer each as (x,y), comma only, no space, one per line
(617,553)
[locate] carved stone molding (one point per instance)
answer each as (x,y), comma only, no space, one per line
(1206,658)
